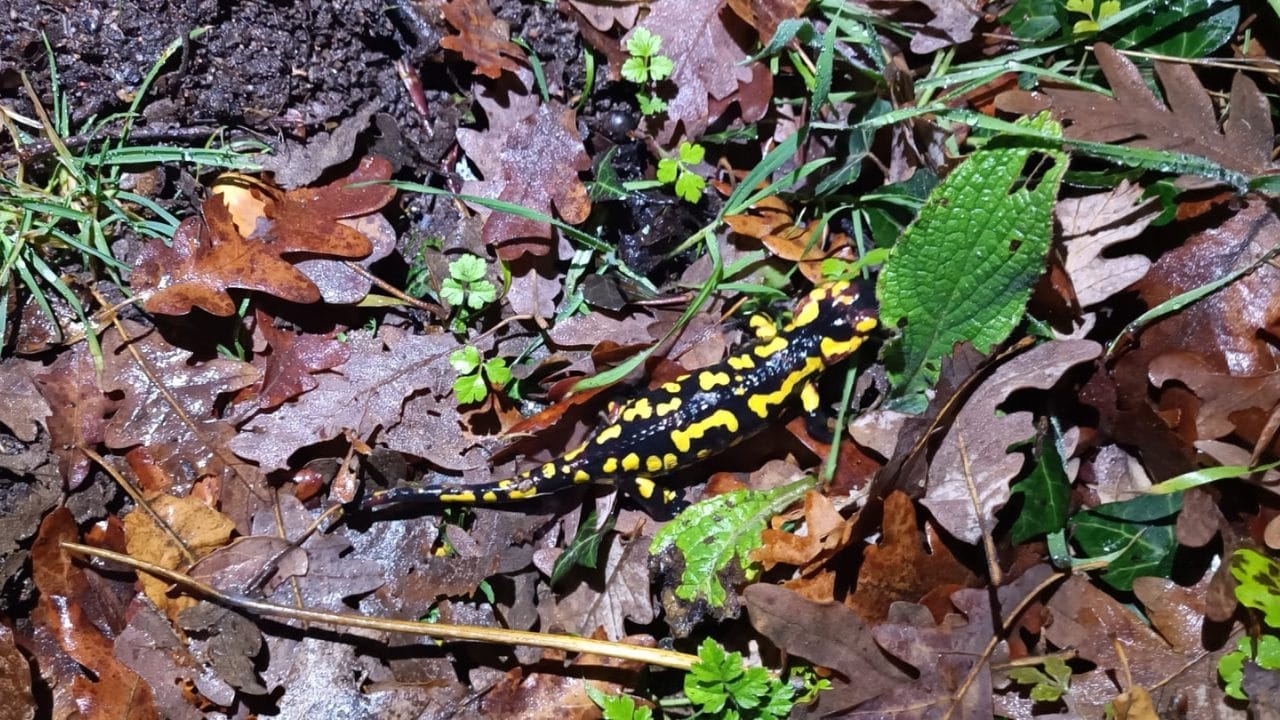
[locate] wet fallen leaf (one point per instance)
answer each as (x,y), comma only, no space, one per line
(482,38)
(1091,226)
(199,528)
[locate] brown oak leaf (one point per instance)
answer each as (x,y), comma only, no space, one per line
(1184,123)
(536,166)
(71,385)
(482,38)
(288,371)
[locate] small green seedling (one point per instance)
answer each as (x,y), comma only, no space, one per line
(675,171)
(1095,13)
(1257,588)
(476,375)
(720,686)
(646,68)
(466,289)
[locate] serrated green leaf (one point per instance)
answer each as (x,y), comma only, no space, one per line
(963,270)
(668,168)
(1046,494)
(1257,583)
(467,269)
(1231,665)
(617,707)
(470,388)
(1141,530)
(584,550)
(660,67)
(497,371)
(636,70)
(651,104)
(465,360)
(689,187)
(481,293)
(451,292)
(1084,7)
(1047,685)
(715,532)
(691,153)
(643,43)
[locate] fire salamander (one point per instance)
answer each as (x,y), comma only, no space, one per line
(697,415)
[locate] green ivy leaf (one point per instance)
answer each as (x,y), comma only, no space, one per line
(963,270)
(717,531)
(1046,493)
(465,360)
(1257,583)
(1182,28)
(1141,529)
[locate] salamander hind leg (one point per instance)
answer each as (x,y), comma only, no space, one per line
(654,498)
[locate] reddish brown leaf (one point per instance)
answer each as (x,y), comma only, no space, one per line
(945,22)
(287,371)
(825,532)
(1180,669)
(562,695)
(23,411)
(150,647)
(15,680)
(71,385)
(901,568)
(536,166)
(708,43)
(482,38)
(765,15)
(199,527)
(1134,116)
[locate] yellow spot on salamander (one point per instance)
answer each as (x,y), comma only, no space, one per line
(613,432)
(670,461)
(807,314)
(522,494)
(763,327)
(741,362)
(640,409)
(759,404)
(683,438)
(771,347)
(866,325)
(581,477)
(809,397)
(668,496)
(610,466)
(653,464)
(836,349)
(458,497)
(672,387)
(666,408)
(631,462)
(704,452)
(574,453)
(489,496)
(549,470)
(711,380)
(504,484)
(645,487)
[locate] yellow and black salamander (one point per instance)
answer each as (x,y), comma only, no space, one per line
(697,415)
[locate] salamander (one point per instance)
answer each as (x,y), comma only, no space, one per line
(697,415)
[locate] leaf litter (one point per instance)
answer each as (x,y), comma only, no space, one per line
(214,390)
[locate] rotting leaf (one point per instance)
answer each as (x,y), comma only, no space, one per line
(482,38)
(618,593)
(23,411)
(1185,123)
(974,457)
(536,166)
(199,527)
(901,568)
(288,370)
(150,647)
(15,678)
(71,385)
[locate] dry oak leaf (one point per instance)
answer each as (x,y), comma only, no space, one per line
(1134,116)
(1175,658)
(901,568)
(536,166)
(482,38)
(288,371)
(23,411)
(363,394)
(210,255)
(974,458)
(200,528)
(607,599)
(772,223)
(150,647)
(15,680)
(766,15)
(1228,403)
(942,23)
(707,42)
(1091,225)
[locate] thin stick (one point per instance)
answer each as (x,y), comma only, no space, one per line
(567,643)
(394,291)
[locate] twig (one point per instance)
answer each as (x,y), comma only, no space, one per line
(988,545)
(567,643)
(394,291)
(140,502)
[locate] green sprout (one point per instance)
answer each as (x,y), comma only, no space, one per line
(721,686)
(466,289)
(476,375)
(646,68)
(675,171)
(1095,12)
